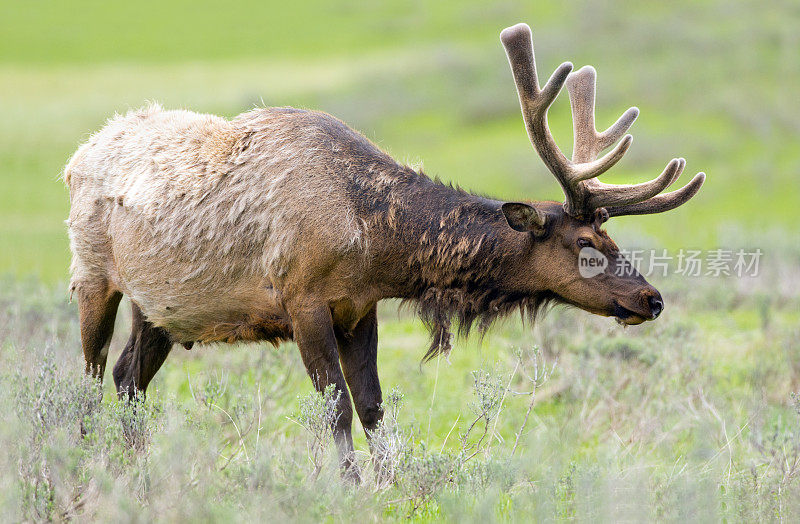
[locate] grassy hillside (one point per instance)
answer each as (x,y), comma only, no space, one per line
(715,82)
(690,417)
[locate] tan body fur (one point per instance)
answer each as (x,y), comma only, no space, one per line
(200,220)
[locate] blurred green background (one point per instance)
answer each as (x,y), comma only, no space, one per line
(717,82)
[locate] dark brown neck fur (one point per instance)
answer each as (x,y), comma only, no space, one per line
(448,252)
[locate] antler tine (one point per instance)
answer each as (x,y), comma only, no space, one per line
(588,142)
(661,203)
(603,195)
(518,43)
(618,128)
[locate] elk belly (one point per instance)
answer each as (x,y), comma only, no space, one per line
(198,294)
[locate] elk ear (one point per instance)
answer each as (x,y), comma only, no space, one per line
(524,217)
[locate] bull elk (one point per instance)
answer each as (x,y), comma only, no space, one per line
(285,224)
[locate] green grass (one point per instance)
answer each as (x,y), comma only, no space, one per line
(431,85)
(691,416)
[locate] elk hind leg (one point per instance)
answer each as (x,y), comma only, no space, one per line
(97,305)
(145,352)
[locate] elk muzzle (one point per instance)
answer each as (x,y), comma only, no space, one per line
(645,304)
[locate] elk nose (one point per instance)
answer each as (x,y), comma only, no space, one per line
(656,305)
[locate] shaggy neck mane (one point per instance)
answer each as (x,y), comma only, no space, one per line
(457,252)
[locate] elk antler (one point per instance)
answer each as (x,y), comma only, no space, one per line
(577,177)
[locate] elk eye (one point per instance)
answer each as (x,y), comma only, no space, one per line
(584,242)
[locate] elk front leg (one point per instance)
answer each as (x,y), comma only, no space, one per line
(358,351)
(313,332)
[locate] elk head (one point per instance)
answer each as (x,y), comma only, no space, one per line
(569,234)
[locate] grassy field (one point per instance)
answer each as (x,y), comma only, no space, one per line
(690,417)
(715,81)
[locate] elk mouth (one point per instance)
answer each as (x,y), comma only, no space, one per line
(628,317)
